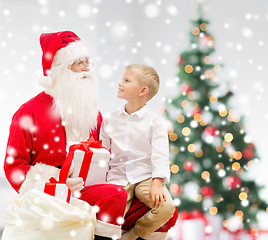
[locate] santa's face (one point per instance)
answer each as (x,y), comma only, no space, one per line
(81,65)
(75,96)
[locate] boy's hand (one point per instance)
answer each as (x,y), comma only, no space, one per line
(156,195)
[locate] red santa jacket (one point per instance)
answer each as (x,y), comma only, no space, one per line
(36,136)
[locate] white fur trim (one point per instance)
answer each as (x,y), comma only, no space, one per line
(107,230)
(156,236)
(38,173)
(45,81)
(69,54)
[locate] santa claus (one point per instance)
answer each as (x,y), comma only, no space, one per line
(67,110)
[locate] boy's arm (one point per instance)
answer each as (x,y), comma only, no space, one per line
(160,151)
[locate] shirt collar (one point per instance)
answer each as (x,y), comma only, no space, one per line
(140,113)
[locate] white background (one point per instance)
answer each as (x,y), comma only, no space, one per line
(120,32)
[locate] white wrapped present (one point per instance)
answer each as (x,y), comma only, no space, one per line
(187,227)
(90,161)
(190,226)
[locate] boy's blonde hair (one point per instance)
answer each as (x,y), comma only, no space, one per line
(147,76)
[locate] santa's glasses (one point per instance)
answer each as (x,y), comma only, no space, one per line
(83,63)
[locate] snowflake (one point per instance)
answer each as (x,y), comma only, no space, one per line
(96,209)
(9,159)
(37,177)
(247,32)
(248,16)
(6,12)
(43,2)
(119,29)
(56,139)
(151,11)
(62,13)
(177,201)
(17,176)
(221,173)
(134,50)
(102,163)
(120,220)
(46,224)
(245,203)
(45,146)
(73,233)
(11,151)
(105,218)
(239,47)
(106,71)
(84,10)
(172,10)
(208,229)
(77,194)
(247,139)
(194,124)
(20,68)
(95,10)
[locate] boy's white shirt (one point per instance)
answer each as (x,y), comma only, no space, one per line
(139,146)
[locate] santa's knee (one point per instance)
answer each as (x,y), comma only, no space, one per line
(117,194)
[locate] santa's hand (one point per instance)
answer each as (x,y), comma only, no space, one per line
(75,184)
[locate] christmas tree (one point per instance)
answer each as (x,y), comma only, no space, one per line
(210,150)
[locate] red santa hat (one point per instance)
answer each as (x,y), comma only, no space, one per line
(59,48)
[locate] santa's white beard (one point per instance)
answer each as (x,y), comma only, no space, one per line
(75,97)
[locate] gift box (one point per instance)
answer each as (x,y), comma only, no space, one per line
(90,160)
(58,190)
(189,226)
(55,188)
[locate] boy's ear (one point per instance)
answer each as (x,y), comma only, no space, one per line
(144,91)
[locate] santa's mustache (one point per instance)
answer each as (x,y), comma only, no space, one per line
(81,75)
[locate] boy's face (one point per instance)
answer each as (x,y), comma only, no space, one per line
(129,88)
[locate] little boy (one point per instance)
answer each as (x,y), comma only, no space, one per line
(137,139)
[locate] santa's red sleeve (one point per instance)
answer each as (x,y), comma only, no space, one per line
(96,132)
(19,145)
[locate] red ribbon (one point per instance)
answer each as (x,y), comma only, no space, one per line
(50,188)
(253,233)
(195,214)
(235,234)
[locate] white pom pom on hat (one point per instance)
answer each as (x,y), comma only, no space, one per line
(45,81)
